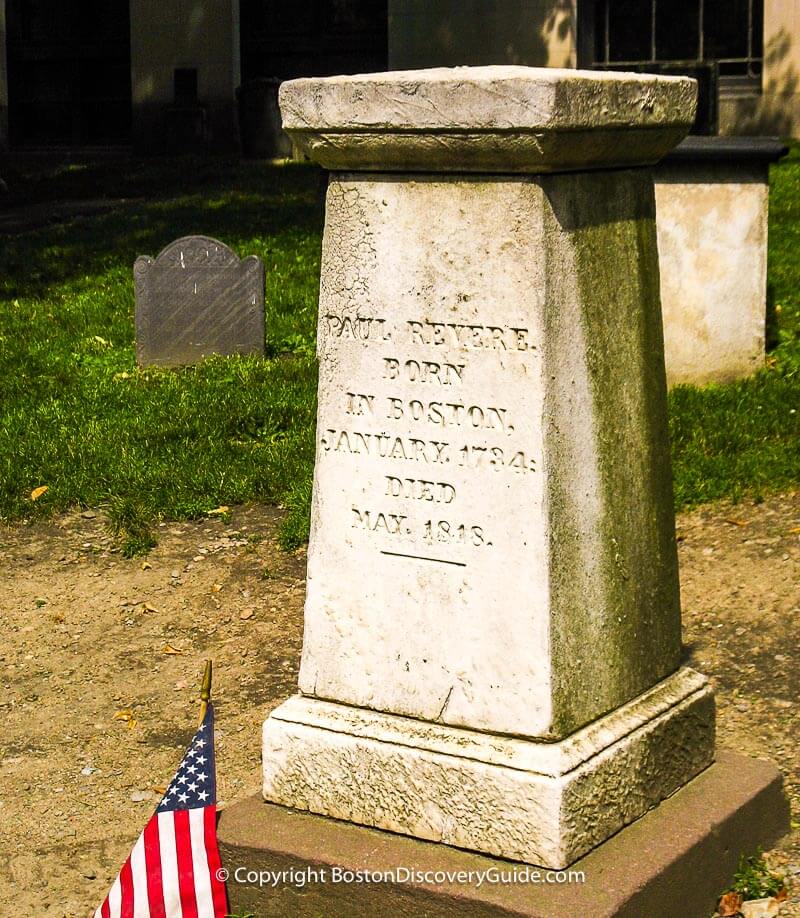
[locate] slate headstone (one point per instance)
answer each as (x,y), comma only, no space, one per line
(197,298)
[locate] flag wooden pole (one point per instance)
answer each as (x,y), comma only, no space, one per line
(205,691)
(184,869)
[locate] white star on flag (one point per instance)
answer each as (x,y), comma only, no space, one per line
(173,870)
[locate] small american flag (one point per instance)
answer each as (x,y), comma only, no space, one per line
(173,870)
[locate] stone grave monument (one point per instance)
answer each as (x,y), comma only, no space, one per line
(492,621)
(197,298)
(492,648)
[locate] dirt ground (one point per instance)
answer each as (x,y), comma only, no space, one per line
(103,656)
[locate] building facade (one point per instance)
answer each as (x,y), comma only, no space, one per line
(162,74)
(750,47)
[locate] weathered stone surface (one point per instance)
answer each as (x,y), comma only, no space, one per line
(672,862)
(487,119)
(519,541)
(712,242)
(539,803)
(197,298)
(492,545)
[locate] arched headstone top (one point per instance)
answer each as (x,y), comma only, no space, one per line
(194,252)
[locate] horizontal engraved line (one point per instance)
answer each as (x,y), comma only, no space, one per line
(400,554)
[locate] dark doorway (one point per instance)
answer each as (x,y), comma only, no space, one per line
(69,72)
(313,37)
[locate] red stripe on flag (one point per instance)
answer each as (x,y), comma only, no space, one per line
(152,858)
(105,909)
(126,885)
(183,845)
(219,894)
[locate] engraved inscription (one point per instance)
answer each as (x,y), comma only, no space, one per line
(390,523)
(420,489)
(469,337)
(361,328)
(450,414)
(358,443)
(423,371)
(482,437)
(358,404)
(451,534)
(477,457)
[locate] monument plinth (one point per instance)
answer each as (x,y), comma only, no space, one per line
(492,627)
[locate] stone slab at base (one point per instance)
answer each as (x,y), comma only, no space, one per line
(675,860)
(540,803)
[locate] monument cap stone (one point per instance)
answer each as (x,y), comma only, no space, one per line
(487,119)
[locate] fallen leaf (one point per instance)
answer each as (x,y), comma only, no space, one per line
(127,717)
(216,587)
(146,565)
(218,510)
(148,608)
(782,895)
(737,522)
(100,340)
(795,530)
(36,493)
(730,904)
(168,648)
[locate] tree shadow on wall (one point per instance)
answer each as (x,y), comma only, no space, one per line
(770,112)
(526,33)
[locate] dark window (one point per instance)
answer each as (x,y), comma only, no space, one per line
(313,37)
(728,33)
(677,28)
(68,71)
(629,28)
(185,85)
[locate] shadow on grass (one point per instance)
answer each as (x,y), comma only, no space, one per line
(78,416)
(249,208)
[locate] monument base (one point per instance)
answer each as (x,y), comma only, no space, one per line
(544,803)
(676,860)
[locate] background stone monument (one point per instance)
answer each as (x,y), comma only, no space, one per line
(197,298)
(492,648)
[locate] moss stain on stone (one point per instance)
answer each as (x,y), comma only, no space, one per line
(615,613)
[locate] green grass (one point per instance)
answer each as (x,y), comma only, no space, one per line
(754,879)
(75,413)
(77,416)
(743,439)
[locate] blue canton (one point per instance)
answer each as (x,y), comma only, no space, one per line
(194,784)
